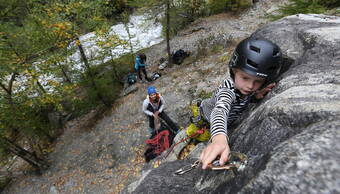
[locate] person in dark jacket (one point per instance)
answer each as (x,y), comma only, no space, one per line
(140,66)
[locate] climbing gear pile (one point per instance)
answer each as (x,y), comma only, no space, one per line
(155,75)
(237,161)
(198,125)
(131,78)
(160,141)
(196,117)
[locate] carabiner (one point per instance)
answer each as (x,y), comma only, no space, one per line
(187,168)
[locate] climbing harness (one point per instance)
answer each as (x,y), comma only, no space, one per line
(198,124)
(236,161)
(196,116)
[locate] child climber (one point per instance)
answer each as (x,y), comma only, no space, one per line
(153,107)
(140,66)
(253,67)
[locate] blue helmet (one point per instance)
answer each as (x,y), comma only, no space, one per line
(151,90)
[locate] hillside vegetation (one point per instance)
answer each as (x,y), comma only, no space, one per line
(41,91)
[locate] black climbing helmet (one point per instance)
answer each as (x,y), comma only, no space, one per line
(258,57)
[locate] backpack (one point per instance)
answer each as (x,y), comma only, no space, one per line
(131,78)
(179,56)
(156,75)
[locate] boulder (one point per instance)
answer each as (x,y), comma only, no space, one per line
(292,136)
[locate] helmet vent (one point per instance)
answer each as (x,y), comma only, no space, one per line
(271,68)
(252,63)
(256,49)
(275,52)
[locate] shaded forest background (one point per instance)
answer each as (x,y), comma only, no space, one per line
(40,89)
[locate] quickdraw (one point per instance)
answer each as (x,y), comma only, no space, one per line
(237,161)
(187,168)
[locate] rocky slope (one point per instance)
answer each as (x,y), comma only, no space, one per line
(107,157)
(291,137)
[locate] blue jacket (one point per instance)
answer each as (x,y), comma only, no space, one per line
(139,63)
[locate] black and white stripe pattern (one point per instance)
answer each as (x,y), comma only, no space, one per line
(224,107)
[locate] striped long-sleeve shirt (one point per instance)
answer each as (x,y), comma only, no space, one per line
(224,107)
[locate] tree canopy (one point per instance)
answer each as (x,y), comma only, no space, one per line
(36,76)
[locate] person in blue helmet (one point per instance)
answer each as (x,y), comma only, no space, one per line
(140,67)
(153,107)
(254,66)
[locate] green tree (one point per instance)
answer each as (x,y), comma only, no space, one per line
(125,18)
(71,19)
(18,82)
(30,61)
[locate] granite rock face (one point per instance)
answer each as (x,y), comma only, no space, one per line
(292,136)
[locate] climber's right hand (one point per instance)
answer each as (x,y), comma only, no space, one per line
(218,147)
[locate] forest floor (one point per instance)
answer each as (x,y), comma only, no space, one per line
(105,155)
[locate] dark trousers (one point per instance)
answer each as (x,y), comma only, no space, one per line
(140,71)
(167,120)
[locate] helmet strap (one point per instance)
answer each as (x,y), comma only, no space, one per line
(232,74)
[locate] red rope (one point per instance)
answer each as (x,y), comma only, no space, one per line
(161,141)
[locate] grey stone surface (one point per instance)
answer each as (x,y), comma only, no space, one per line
(292,136)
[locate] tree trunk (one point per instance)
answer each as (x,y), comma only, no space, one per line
(91,77)
(9,89)
(126,21)
(41,87)
(66,77)
(168,31)
(29,157)
(126,25)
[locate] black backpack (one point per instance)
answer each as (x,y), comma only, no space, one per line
(179,56)
(131,78)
